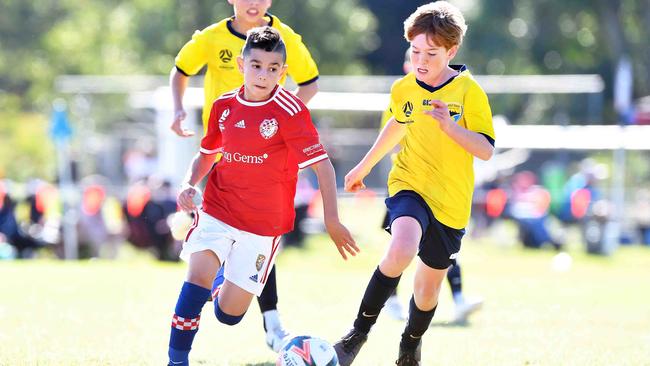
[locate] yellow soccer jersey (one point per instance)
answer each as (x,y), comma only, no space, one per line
(430,162)
(218,46)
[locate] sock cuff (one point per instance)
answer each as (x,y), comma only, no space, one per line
(226,318)
(390,282)
(191,300)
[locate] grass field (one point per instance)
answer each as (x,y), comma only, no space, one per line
(118,312)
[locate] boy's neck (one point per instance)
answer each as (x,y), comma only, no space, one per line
(249,97)
(444,76)
(241,26)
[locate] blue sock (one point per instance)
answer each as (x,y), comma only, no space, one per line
(218,281)
(185,322)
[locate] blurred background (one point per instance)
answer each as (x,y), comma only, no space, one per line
(85,114)
(559,240)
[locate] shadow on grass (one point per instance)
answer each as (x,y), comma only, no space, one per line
(457,324)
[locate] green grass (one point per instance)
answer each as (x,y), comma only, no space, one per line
(118,313)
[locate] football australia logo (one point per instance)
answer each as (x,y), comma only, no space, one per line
(407,108)
(225,55)
(455,111)
(268,128)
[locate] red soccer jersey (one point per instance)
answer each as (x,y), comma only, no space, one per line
(263,146)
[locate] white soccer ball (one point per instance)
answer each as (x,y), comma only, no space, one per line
(561,262)
(307,351)
(179,224)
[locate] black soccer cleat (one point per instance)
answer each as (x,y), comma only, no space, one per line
(409,357)
(349,346)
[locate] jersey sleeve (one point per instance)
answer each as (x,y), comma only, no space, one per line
(478,115)
(385,116)
(211,142)
(395,108)
(302,139)
(194,55)
(301,66)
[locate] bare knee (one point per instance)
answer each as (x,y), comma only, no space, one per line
(203,279)
(399,256)
(426,297)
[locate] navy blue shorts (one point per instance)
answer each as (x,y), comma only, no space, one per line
(440,244)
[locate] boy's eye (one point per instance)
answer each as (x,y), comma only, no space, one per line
(256,66)
(273,69)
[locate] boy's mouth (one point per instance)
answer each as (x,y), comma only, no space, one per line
(421,70)
(252,12)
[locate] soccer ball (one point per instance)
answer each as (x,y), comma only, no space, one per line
(307,351)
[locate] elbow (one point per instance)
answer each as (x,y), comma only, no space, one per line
(487,154)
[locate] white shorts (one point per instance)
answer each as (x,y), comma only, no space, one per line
(249,257)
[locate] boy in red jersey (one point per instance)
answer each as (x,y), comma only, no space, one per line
(216,48)
(265,135)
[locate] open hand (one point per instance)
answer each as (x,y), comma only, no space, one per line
(342,238)
(177,124)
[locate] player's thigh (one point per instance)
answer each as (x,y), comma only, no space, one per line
(202,268)
(209,234)
(250,261)
(406,234)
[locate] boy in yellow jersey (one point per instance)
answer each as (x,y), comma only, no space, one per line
(442,119)
(218,47)
(463,306)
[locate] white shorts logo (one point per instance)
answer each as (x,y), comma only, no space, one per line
(454,256)
(268,128)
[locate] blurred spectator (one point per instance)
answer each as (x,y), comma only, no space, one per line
(147,209)
(10,231)
(488,204)
(96,239)
(529,208)
(641,212)
(580,192)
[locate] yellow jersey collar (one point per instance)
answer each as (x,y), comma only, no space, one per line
(431,89)
(243,36)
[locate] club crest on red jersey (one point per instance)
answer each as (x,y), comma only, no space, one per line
(260,262)
(268,128)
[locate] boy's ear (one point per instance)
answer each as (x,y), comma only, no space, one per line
(284,70)
(451,53)
(240,63)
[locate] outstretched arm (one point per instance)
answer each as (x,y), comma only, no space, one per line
(389,137)
(178,83)
(337,231)
(200,166)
